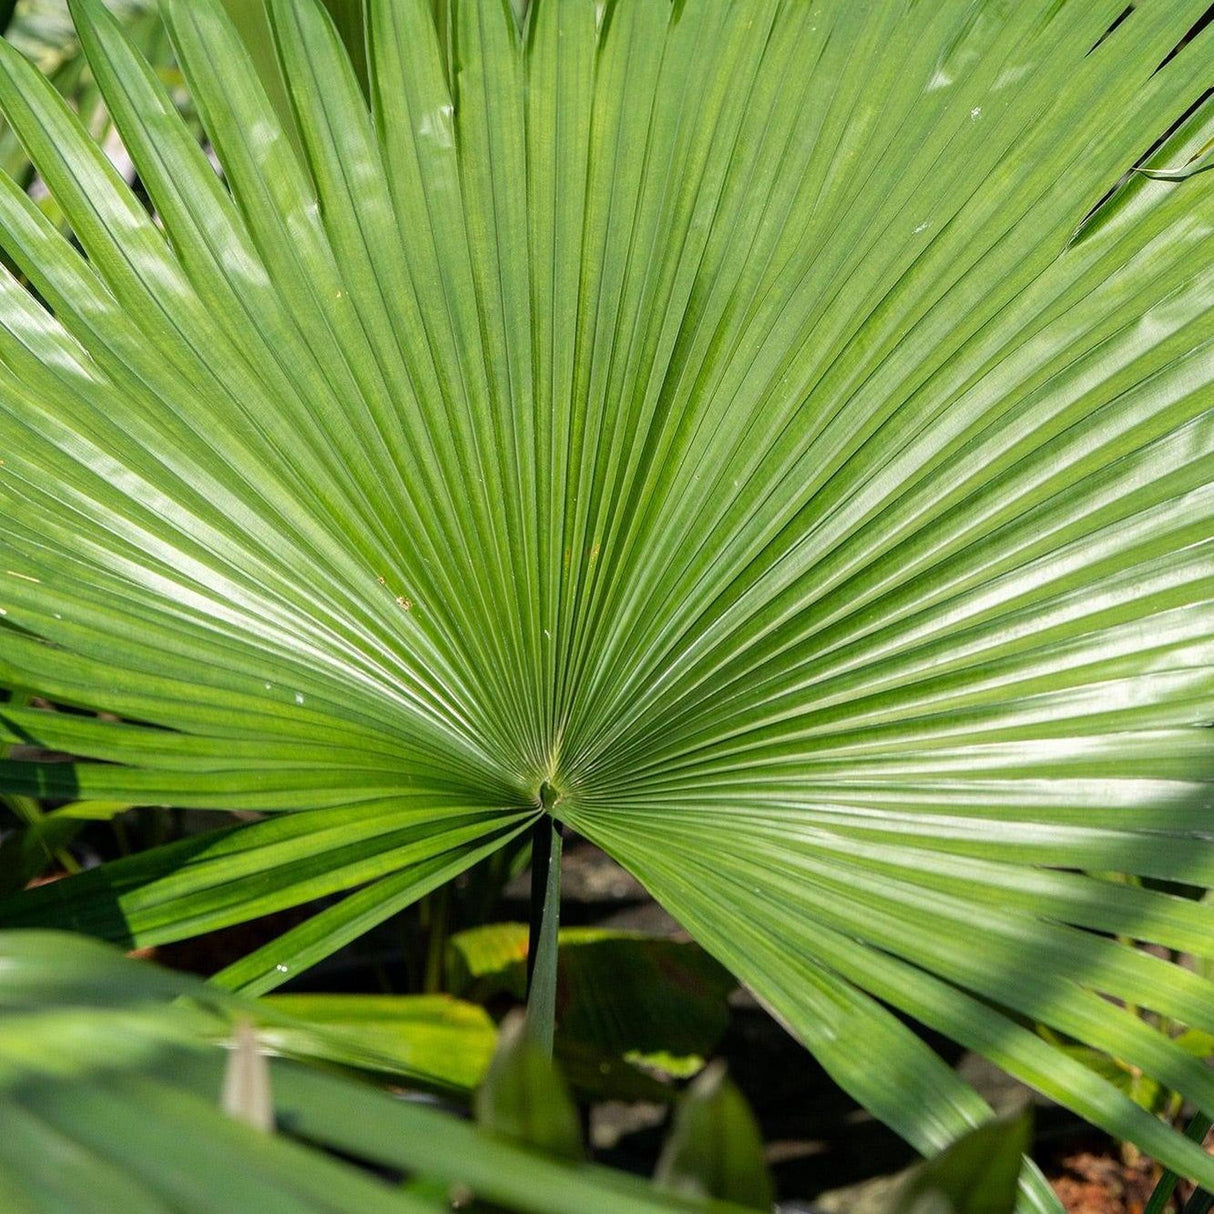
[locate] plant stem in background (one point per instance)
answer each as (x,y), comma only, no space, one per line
(1197,1130)
(437,911)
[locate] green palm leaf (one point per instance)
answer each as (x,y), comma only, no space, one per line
(42,30)
(110,1081)
(757,421)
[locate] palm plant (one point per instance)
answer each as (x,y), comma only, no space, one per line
(772,438)
(109,1070)
(109,1073)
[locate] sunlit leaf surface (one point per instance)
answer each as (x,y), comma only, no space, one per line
(782,427)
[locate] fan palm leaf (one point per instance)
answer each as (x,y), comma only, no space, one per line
(43,31)
(774,436)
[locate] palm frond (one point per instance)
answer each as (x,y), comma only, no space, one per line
(783,429)
(110,1080)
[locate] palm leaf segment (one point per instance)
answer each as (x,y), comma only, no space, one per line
(718,411)
(110,1073)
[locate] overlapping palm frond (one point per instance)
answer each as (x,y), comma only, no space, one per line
(43,31)
(110,1078)
(781,428)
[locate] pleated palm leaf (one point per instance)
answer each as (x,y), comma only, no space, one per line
(749,432)
(43,30)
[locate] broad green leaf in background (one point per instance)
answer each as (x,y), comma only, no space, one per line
(110,1085)
(976,1175)
(652,1000)
(431,1040)
(715,1148)
(782,429)
(525,1098)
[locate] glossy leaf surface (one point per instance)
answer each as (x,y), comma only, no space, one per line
(783,428)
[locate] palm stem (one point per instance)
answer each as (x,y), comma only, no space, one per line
(1200,1203)
(545,920)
